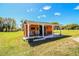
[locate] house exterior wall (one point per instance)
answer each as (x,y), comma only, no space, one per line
(34,28)
(48,30)
(25,30)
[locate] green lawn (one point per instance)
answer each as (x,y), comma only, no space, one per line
(69,32)
(11,43)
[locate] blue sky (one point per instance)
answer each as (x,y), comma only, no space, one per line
(64,13)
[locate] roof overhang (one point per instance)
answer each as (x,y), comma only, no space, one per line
(39,23)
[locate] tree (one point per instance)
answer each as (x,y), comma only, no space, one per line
(13,25)
(54,23)
(22,24)
(1,24)
(71,27)
(9,24)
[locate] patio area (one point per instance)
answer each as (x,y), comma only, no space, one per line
(47,37)
(42,40)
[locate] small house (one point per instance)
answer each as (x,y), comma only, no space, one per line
(34,29)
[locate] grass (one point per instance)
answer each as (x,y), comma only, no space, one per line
(73,33)
(11,44)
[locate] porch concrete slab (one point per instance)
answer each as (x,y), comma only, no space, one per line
(50,36)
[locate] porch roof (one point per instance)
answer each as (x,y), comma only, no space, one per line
(39,23)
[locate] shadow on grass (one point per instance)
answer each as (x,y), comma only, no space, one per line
(36,43)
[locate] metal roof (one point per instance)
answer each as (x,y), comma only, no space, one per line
(41,23)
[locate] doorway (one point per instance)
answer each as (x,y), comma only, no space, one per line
(40,29)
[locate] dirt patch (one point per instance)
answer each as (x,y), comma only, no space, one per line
(76,39)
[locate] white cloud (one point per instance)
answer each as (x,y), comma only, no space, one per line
(38,17)
(29,10)
(57,14)
(41,16)
(77,7)
(46,7)
(40,10)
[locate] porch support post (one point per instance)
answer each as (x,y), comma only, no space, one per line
(60,29)
(28,30)
(43,30)
(38,30)
(25,34)
(52,30)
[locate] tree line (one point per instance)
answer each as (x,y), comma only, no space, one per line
(7,24)
(67,26)
(70,27)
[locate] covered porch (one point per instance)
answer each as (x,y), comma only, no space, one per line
(35,30)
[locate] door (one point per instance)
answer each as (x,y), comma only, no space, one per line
(40,30)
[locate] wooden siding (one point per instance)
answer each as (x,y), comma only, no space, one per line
(34,30)
(25,30)
(48,30)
